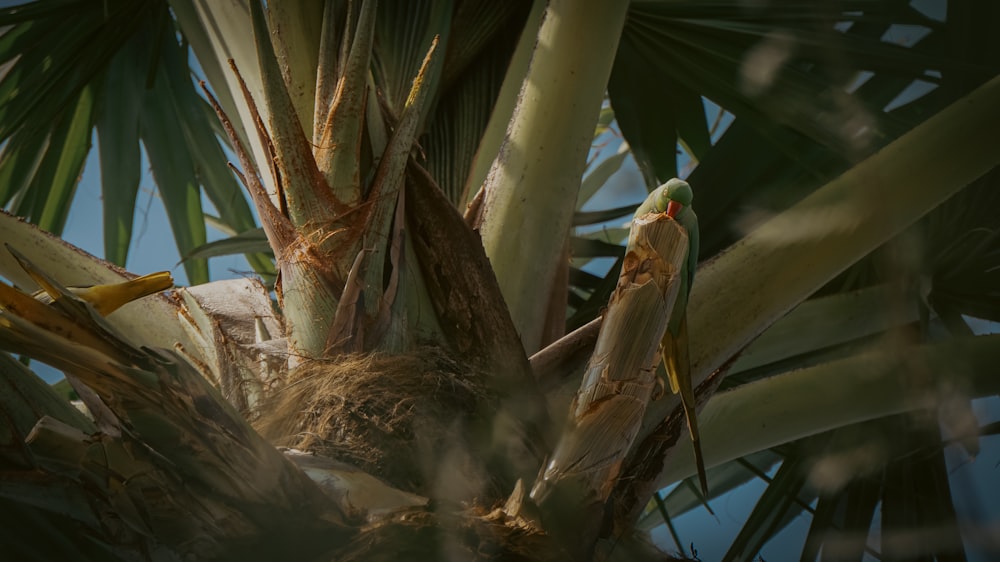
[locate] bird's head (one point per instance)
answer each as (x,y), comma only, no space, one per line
(677,194)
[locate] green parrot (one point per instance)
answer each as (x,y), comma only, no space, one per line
(674,198)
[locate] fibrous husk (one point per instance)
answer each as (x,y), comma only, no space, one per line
(476,536)
(422,535)
(412,419)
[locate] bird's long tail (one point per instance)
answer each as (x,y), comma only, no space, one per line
(678,366)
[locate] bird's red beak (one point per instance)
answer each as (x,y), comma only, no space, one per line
(673,208)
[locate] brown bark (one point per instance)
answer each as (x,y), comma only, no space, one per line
(619,382)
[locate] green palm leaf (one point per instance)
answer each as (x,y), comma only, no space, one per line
(116,67)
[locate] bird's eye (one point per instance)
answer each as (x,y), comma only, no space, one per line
(662,200)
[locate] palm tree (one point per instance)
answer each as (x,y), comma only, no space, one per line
(416,170)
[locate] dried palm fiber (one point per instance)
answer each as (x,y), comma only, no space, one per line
(414,419)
